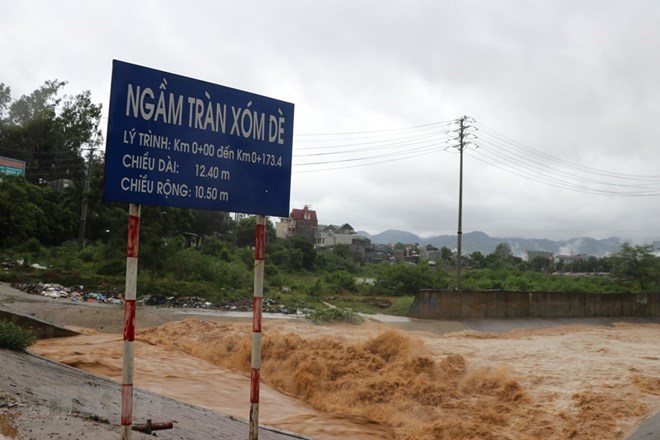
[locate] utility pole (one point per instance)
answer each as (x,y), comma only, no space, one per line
(461,147)
(83,211)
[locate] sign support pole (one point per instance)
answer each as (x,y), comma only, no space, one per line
(218,154)
(129,320)
(257,307)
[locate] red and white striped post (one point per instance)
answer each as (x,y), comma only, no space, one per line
(129,320)
(257,306)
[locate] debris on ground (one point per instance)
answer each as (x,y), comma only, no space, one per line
(9,400)
(79,294)
(75,294)
(383,303)
(270,305)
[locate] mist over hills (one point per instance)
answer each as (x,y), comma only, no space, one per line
(482,242)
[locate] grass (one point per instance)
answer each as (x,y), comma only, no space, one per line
(303,290)
(25,274)
(369,304)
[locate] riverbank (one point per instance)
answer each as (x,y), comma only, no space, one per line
(45,400)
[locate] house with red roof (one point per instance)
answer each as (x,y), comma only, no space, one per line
(301,222)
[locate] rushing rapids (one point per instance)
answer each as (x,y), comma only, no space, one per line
(371,382)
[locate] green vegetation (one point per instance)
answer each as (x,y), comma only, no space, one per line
(15,337)
(221,272)
(40,226)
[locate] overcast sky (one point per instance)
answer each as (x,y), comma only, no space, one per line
(565,96)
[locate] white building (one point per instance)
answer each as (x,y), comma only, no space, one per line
(332,235)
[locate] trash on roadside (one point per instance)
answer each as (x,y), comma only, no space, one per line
(76,293)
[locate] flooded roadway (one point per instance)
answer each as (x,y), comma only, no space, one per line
(432,380)
(190,379)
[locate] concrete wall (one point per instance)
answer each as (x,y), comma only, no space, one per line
(441,304)
(42,329)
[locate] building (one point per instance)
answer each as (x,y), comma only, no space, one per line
(12,167)
(301,222)
(406,254)
(570,259)
(377,253)
(332,235)
(61,185)
(285,227)
(430,252)
(531,255)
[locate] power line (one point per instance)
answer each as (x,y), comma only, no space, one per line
(339,151)
(401,150)
(515,158)
(501,165)
(377,162)
(554,159)
(499,151)
(372,132)
(390,141)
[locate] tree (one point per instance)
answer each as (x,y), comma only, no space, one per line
(503,252)
(340,257)
(340,281)
(636,264)
(246,232)
(541,264)
(501,257)
(30,211)
(476,260)
(403,279)
(49,132)
(306,249)
(5,99)
(211,222)
(445,254)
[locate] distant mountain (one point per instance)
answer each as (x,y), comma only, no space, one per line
(392,236)
(482,242)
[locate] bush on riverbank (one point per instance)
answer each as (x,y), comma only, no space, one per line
(335,314)
(15,337)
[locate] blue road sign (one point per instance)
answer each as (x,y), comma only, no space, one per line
(178,141)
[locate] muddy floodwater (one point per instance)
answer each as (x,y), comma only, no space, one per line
(7,430)
(374,382)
